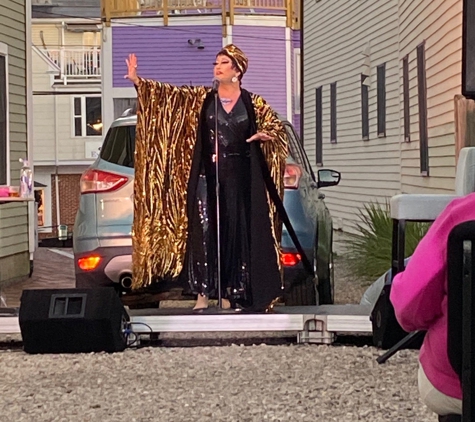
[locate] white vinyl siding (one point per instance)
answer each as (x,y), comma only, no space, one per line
(50,36)
(341,41)
(439,24)
(336,36)
(13,217)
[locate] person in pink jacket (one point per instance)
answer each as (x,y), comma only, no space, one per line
(419,297)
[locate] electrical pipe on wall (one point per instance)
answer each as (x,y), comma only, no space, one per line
(56,163)
(32,215)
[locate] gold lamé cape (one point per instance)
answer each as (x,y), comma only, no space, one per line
(167,163)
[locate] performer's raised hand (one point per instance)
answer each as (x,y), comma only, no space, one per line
(132,69)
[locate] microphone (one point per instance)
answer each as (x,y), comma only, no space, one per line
(216,83)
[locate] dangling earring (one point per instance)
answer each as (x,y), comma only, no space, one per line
(234,79)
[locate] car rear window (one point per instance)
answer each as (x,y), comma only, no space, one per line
(294,148)
(297,152)
(119,146)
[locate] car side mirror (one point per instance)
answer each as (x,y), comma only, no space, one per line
(328,177)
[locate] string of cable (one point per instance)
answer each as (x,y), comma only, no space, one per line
(99,21)
(129,332)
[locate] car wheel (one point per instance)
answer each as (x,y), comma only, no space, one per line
(303,292)
(326,287)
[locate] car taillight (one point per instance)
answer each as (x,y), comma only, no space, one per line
(93,181)
(292,175)
(89,263)
(290,259)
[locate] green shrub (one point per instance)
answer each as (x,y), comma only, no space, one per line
(369,251)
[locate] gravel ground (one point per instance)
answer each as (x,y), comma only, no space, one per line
(348,289)
(223,377)
(254,383)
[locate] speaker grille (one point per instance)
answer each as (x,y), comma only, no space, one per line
(67,306)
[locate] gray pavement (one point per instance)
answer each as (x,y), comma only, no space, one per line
(51,271)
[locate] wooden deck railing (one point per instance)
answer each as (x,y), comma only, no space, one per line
(82,64)
(227,8)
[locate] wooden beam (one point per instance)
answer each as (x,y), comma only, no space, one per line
(224,19)
(290,13)
(106,12)
(464,123)
(231,11)
(165,12)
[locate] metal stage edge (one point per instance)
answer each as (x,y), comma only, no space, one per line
(312,324)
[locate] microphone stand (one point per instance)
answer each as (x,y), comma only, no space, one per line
(216,162)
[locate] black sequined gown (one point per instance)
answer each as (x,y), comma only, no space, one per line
(234,195)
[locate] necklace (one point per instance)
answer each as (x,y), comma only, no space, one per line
(225,101)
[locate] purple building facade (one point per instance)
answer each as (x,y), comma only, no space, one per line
(183,53)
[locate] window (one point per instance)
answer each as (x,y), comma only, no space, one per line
(297,81)
(422,101)
(4,164)
(405,90)
(295,151)
(333,113)
(119,146)
(364,107)
(40,201)
(87,116)
(318,126)
(381,94)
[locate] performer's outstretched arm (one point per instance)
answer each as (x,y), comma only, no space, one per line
(149,90)
(166,133)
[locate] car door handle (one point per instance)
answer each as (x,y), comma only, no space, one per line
(321,195)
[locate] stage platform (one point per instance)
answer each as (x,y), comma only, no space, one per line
(311,324)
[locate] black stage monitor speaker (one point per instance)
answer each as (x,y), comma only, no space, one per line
(72,321)
(468,49)
(386,330)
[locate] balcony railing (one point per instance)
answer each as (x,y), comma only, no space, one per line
(227,8)
(76,64)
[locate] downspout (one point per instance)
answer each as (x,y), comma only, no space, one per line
(56,163)
(32,214)
(56,147)
(61,54)
(400,117)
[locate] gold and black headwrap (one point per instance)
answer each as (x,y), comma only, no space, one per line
(237,55)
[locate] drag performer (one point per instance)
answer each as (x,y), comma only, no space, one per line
(175,221)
